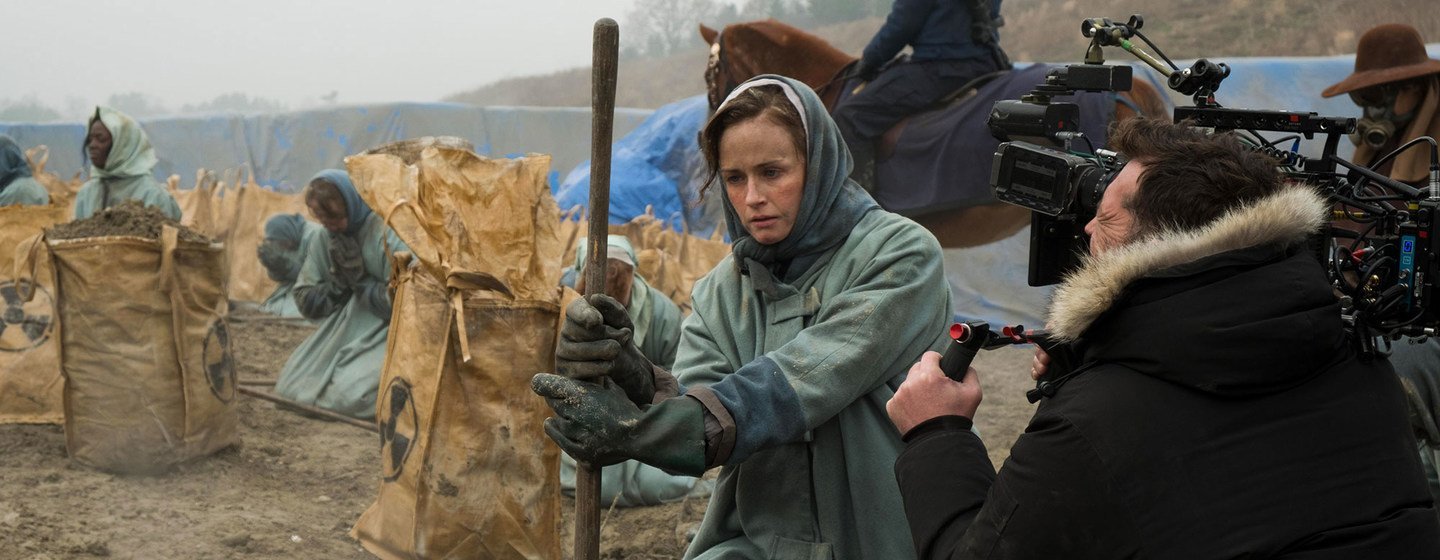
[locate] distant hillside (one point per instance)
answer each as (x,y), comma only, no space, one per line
(1035,30)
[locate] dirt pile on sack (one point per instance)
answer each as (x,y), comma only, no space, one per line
(130,219)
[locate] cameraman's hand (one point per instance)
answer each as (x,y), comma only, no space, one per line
(1039,364)
(927,394)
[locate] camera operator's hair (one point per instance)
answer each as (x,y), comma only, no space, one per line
(1191,178)
(766,101)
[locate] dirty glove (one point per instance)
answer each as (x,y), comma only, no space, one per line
(281,264)
(597,341)
(347,264)
(598,424)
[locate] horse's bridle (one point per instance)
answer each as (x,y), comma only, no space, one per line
(715,71)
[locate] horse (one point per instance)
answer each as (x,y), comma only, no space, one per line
(771,47)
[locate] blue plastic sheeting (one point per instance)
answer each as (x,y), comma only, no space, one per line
(286,149)
(658,165)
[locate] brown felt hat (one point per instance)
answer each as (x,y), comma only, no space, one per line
(1387,53)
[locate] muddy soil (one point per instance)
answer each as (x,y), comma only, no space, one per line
(296,485)
(129,218)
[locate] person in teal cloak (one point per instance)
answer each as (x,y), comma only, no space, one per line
(343,284)
(657,328)
(796,341)
(282,253)
(17,186)
(122,165)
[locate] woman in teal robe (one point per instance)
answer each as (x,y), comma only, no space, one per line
(793,347)
(122,167)
(343,284)
(657,332)
(282,253)
(17,186)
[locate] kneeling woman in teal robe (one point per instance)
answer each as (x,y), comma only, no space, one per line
(795,343)
(282,253)
(343,284)
(17,186)
(122,167)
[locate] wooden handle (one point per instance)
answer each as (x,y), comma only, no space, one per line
(606,59)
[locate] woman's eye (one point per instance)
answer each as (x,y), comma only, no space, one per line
(772,173)
(734,179)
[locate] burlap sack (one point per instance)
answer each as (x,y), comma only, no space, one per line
(30,383)
(62,193)
(149,380)
(467,469)
(236,216)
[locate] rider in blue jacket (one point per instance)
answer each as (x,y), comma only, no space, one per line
(952,42)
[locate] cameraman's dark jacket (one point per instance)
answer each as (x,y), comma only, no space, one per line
(1215,411)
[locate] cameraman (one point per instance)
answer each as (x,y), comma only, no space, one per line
(1208,402)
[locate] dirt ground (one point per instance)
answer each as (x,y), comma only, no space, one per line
(296,485)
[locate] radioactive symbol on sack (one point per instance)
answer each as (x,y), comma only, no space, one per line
(219,365)
(399,425)
(25,325)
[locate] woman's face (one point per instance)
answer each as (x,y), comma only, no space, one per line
(97,144)
(764,177)
(332,215)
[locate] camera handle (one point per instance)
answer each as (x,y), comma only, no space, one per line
(1200,80)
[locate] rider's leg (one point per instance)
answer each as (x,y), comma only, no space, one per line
(900,91)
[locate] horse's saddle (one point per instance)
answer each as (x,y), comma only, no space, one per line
(940,159)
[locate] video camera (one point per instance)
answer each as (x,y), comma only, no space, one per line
(1380,250)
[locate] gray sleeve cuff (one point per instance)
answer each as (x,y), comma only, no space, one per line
(666,386)
(719,427)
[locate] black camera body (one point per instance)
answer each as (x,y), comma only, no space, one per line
(1062,191)
(1385,270)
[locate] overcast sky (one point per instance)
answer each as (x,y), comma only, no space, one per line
(65,52)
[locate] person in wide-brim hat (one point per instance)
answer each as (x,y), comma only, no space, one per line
(1398,86)
(1387,53)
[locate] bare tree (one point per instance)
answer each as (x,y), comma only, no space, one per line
(661,27)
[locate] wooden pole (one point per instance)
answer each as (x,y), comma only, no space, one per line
(606,56)
(277,399)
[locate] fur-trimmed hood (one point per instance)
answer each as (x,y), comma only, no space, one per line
(1286,217)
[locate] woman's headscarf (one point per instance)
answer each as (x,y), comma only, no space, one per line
(130,152)
(285,227)
(356,210)
(831,204)
(12,162)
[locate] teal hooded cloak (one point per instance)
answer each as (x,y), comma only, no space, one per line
(795,348)
(128,172)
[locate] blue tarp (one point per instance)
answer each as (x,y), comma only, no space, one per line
(655,166)
(286,149)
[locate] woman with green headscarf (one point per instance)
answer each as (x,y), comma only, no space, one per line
(343,284)
(795,343)
(122,165)
(17,186)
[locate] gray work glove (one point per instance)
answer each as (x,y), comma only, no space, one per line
(347,263)
(597,341)
(598,424)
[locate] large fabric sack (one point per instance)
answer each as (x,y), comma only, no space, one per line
(235,214)
(149,379)
(467,469)
(30,382)
(62,193)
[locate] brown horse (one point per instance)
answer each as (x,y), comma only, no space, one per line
(770,47)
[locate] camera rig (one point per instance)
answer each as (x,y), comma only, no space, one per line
(1380,250)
